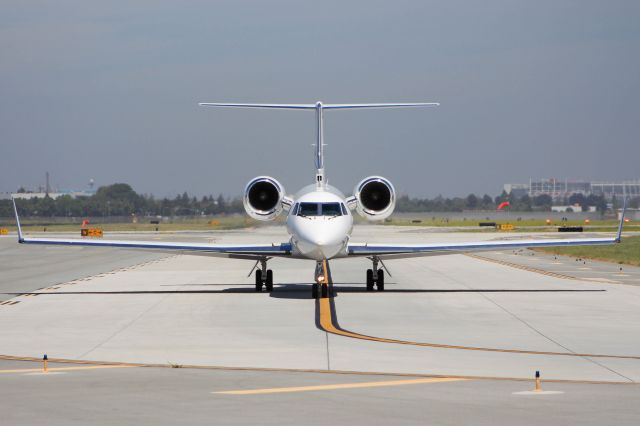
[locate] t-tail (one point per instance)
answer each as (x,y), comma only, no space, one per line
(319,107)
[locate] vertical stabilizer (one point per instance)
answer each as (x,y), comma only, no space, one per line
(319,107)
(320,179)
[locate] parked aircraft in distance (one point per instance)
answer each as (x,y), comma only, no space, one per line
(319,220)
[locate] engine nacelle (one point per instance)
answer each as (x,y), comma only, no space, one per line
(375,198)
(263,198)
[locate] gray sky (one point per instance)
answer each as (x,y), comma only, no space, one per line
(109,90)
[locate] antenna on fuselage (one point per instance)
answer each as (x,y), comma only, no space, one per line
(319,107)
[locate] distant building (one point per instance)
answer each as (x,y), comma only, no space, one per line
(52,195)
(48,190)
(577,208)
(559,189)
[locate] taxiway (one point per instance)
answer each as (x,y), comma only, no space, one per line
(489,319)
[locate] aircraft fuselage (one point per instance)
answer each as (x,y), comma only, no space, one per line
(320,225)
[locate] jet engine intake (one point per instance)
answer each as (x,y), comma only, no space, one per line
(263,198)
(375,198)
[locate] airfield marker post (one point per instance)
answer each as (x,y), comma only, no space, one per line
(45,362)
(538,388)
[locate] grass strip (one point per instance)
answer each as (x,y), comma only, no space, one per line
(627,252)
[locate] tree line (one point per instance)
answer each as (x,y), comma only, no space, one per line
(121,200)
(486,202)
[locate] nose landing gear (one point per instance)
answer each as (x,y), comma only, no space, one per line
(319,289)
(321,281)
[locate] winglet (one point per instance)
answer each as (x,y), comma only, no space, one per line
(624,210)
(15,210)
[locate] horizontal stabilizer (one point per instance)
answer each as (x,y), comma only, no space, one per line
(320,105)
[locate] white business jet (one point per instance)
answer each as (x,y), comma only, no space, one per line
(319,220)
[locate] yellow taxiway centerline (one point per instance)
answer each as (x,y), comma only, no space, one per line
(90,367)
(341,386)
(326,315)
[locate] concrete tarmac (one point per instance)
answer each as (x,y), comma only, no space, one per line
(30,268)
(170,396)
(491,316)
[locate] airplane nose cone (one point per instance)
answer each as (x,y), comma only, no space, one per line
(322,251)
(316,235)
(320,242)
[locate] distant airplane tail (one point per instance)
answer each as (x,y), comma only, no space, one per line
(624,210)
(15,210)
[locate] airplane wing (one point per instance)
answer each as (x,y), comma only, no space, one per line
(236,251)
(400,251)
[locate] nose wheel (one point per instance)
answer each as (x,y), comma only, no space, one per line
(321,290)
(321,285)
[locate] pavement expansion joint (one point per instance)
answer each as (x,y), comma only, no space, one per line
(123,328)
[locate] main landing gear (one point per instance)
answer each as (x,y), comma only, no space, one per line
(264,277)
(375,276)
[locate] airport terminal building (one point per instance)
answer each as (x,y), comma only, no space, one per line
(559,189)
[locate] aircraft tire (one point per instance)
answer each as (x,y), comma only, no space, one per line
(314,291)
(369,279)
(269,284)
(258,280)
(380,282)
(325,291)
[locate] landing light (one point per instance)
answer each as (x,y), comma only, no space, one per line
(320,278)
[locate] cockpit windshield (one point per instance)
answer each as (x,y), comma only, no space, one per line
(319,209)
